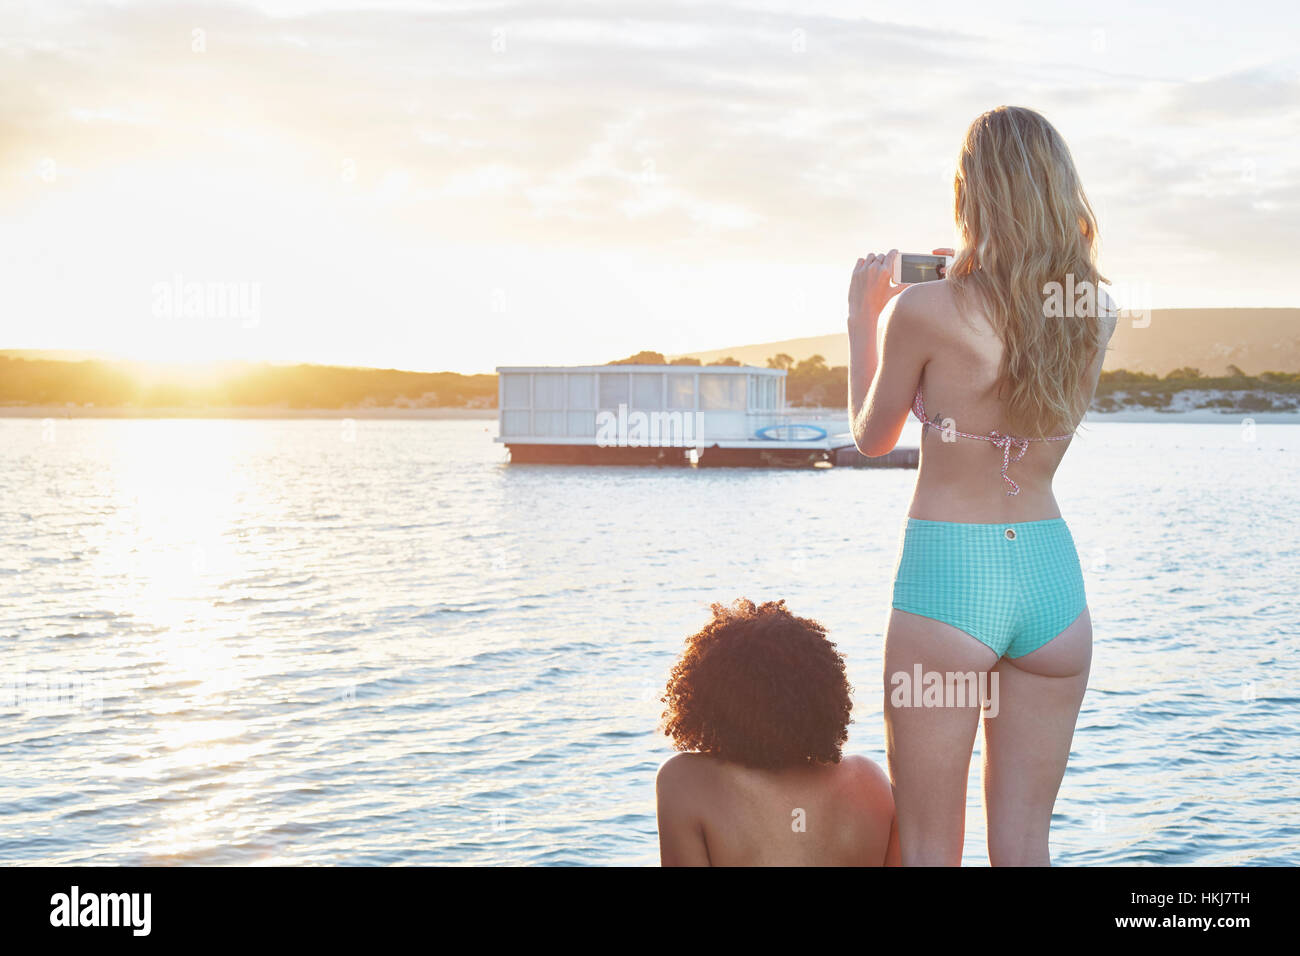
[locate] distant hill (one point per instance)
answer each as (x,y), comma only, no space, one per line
(1225,346)
(1254,340)
(145,385)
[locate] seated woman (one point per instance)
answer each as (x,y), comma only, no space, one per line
(760,703)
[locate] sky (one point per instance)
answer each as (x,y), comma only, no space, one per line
(456,186)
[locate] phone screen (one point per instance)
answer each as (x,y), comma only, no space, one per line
(917,268)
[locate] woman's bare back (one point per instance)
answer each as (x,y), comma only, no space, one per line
(960,479)
(823,815)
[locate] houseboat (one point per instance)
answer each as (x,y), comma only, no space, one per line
(713,415)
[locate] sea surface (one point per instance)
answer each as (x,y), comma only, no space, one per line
(376,642)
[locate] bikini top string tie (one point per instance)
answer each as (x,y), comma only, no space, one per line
(1006,442)
(995,438)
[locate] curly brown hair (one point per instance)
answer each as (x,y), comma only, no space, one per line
(760,687)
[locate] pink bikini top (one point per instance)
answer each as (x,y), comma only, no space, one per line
(996,438)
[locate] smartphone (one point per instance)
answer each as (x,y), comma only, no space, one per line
(914,267)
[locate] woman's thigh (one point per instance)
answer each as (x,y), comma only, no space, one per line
(1027,742)
(930,734)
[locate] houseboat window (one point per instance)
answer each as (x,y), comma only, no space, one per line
(582,391)
(647,391)
(548,391)
(722,392)
(582,424)
(548,424)
(613,389)
(516,424)
(517,390)
(681,391)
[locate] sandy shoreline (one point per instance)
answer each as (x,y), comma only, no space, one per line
(1143,416)
(1134,415)
(1193,416)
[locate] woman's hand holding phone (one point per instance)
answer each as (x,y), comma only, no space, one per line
(872,284)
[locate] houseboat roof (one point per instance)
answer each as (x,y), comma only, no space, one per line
(724,369)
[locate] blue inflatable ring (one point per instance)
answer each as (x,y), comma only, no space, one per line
(766,433)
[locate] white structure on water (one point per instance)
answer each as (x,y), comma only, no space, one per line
(661,414)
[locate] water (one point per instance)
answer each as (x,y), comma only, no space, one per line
(266,642)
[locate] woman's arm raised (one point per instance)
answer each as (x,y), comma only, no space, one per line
(886,355)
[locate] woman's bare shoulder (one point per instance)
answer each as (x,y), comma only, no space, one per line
(926,298)
(865,770)
(869,796)
(928,309)
(682,767)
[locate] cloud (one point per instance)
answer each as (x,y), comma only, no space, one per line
(1264,93)
(699,132)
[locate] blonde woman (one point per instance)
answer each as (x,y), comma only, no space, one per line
(999,361)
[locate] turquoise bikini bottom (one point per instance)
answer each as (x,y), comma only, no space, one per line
(1013,587)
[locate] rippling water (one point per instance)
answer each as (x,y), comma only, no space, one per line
(313,642)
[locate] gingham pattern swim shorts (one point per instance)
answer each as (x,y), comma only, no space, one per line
(1013,587)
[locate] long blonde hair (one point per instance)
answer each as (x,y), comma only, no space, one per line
(1024,223)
